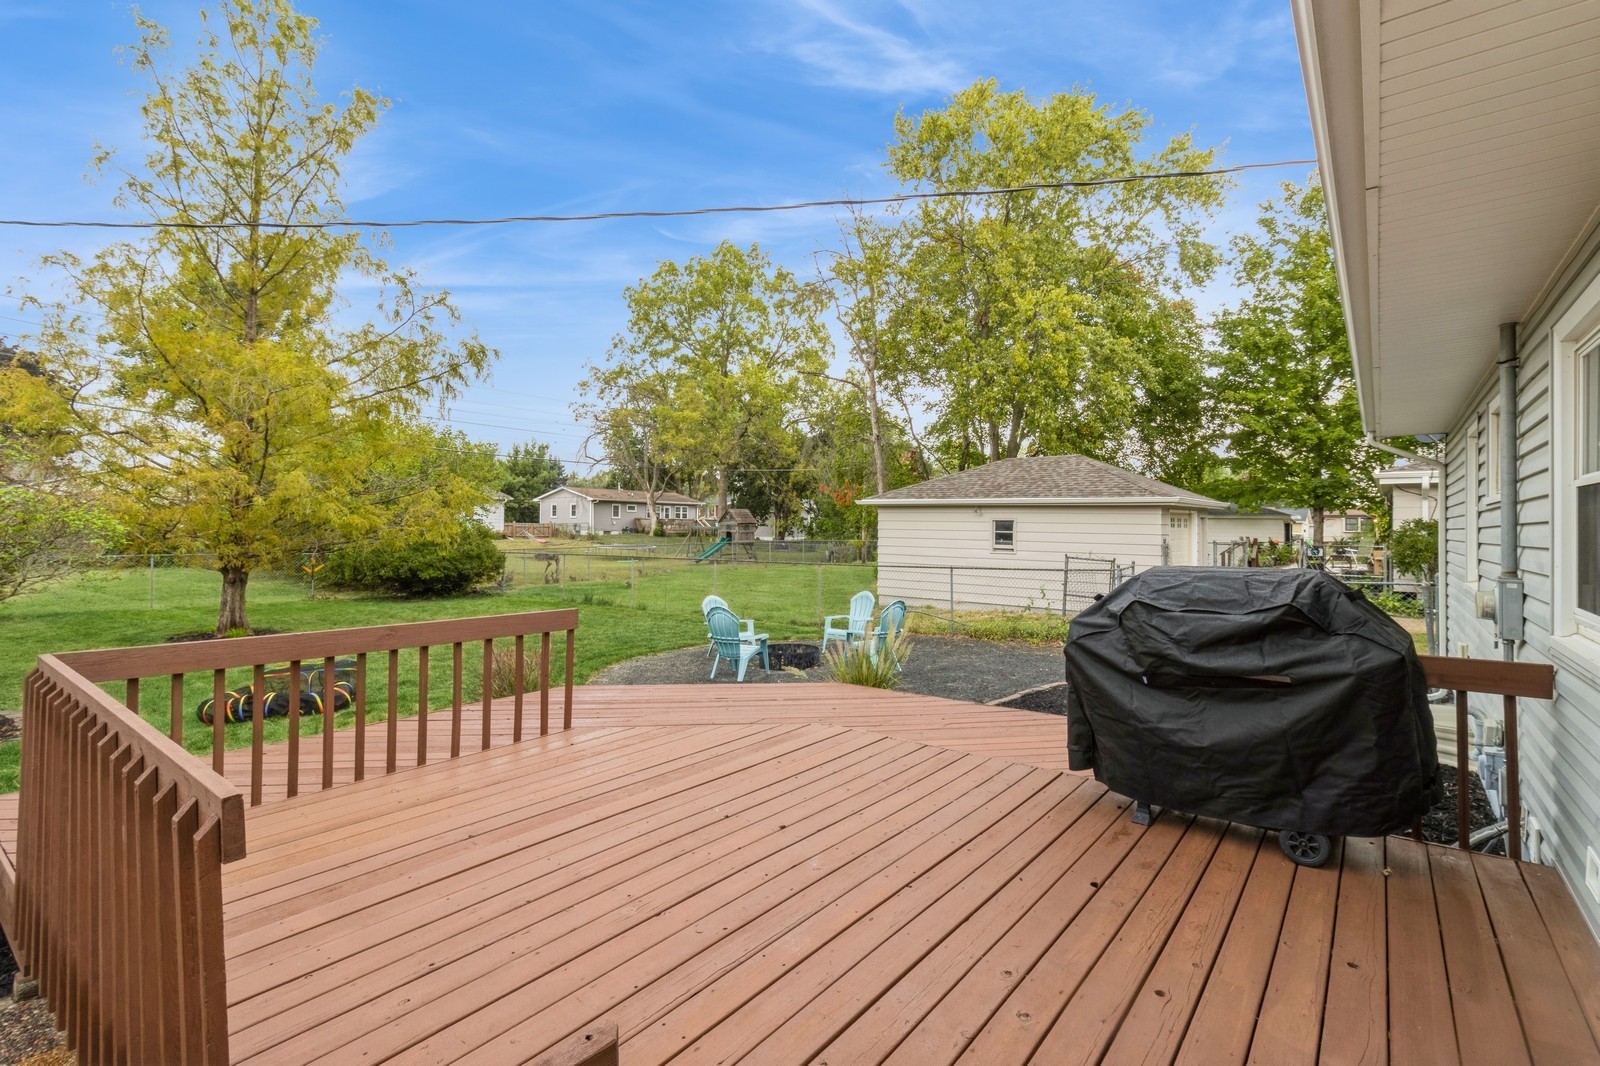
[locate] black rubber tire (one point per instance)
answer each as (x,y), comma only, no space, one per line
(1305,849)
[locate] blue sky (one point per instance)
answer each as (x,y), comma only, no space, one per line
(569,107)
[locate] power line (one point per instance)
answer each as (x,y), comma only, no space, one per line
(604,216)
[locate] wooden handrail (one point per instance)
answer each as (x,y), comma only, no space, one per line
(116,664)
(1508,680)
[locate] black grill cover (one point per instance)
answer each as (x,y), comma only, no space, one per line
(1275,698)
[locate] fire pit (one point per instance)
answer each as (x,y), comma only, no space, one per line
(798,655)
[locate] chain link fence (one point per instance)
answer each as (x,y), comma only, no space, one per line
(955,590)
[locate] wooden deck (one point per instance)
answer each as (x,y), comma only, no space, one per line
(819,873)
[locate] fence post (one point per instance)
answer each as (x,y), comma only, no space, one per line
(152,581)
(952,599)
(633,581)
(713,577)
(820,615)
(1066,574)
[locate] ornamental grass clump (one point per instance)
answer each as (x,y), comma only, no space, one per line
(853,664)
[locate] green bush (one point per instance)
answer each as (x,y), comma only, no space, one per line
(1396,604)
(420,567)
(853,664)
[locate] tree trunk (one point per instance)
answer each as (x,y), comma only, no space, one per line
(232,615)
(722,493)
(1316,526)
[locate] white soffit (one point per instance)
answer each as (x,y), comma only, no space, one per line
(1459,142)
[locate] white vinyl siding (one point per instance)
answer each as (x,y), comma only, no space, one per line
(1560,742)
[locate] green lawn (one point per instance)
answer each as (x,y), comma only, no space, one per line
(617,620)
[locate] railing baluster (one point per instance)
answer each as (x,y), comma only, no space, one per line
(422,705)
(132,698)
(544,684)
(360,701)
(293,779)
(455,699)
(566,706)
(1463,789)
(328,700)
(175,724)
(393,723)
(488,687)
(219,718)
(258,721)
(187,904)
(517,682)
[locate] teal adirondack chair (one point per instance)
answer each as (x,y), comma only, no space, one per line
(847,629)
(890,622)
(749,624)
(727,639)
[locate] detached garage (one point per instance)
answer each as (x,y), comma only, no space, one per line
(1023,532)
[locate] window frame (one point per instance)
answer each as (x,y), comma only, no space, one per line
(1010,533)
(616,510)
(633,508)
(1574,631)
(573,513)
(1585,404)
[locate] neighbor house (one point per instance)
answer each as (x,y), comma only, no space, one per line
(1039,519)
(493,513)
(580,509)
(1230,529)
(1459,147)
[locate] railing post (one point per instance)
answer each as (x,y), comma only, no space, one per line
(1463,791)
(1513,789)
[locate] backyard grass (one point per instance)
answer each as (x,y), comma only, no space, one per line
(617,620)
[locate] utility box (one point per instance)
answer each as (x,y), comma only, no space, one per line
(1508,608)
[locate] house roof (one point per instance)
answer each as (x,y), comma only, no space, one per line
(620,495)
(1042,479)
(739,515)
(1232,511)
(1457,146)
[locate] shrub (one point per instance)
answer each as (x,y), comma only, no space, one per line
(853,664)
(420,567)
(1396,603)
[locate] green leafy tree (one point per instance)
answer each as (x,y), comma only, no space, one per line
(1414,548)
(530,472)
(628,416)
(710,369)
(1029,317)
(226,408)
(1285,388)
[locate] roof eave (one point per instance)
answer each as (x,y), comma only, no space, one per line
(1042,501)
(1336,65)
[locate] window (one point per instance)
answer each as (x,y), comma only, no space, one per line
(1491,452)
(1355,523)
(554,510)
(574,511)
(632,507)
(661,511)
(1005,534)
(1587,482)
(1178,521)
(616,510)
(683,512)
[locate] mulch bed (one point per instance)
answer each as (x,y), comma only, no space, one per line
(26,1029)
(10,727)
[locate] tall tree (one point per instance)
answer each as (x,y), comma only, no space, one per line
(1285,386)
(228,410)
(717,348)
(1030,310)
(530,472)
(867,278)
(628,414)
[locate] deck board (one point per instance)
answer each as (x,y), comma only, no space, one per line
(791,873)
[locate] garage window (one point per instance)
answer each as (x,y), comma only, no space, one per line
(1005,534)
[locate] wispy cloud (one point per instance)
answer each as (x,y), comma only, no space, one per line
(848,51)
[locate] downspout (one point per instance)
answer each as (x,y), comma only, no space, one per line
(1507,362)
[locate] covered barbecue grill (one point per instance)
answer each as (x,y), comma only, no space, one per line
(1274,698)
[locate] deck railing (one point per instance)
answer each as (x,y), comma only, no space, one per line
(1498,677)
(121,841)
(122,833)
(172,663)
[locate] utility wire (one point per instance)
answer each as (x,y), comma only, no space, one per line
(601,216)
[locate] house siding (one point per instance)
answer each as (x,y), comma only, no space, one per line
(1559,741)
(562,500)
(1220,533)
(928,553)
